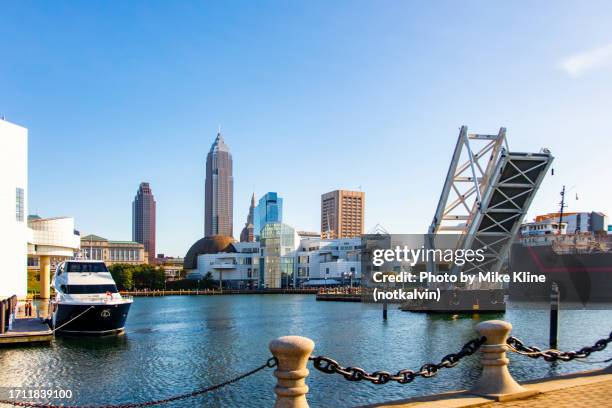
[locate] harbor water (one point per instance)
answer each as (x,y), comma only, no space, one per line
(179,344)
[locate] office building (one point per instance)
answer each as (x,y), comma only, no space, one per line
(13,208)
(269,209)
(278,243)
(171,265)
(218,190)
(113,252)
(143,219)
(342,214)
(248,232)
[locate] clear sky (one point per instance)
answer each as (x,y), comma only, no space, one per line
(310,95)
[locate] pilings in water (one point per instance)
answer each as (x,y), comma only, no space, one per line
(554,316)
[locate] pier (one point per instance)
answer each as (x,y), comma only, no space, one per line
(16,328)
(216,292)
(339,295)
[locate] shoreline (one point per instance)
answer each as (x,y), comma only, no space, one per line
(211,292)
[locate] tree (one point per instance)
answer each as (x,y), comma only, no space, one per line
(123,276)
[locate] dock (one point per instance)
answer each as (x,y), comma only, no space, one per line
(339,295)
(17,329)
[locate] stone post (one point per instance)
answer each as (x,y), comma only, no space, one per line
(495,380)
(292,353)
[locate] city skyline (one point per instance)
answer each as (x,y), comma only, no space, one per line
(370,89)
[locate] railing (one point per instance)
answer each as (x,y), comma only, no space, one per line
(291,355)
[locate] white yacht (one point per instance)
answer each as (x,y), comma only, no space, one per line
(87,300)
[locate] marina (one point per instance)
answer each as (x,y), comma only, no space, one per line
(183,343)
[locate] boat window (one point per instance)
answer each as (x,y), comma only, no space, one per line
(85,289)
(86,267)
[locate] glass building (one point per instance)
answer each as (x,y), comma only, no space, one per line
(269,209)
(278,244)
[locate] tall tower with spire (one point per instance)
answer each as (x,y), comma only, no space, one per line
(248,232)
(143,219)
(219,190)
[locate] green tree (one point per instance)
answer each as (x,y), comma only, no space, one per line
(123,276)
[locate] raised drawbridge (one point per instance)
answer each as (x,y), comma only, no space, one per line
(486,194)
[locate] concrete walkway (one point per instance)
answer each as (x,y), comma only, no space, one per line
(585,389)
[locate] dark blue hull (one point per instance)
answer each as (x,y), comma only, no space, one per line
(99,319)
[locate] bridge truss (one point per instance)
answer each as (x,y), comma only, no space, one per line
(486,194)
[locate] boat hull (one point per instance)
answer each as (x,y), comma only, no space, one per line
(94,319)
(583,277)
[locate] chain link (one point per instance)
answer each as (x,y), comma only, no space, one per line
(272,362)
(330,366)
(555,355)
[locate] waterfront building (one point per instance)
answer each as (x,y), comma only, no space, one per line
(278,247)
(171,265)
(13,208)
(269,209)
(231,264)
(322,262)
(342,214)
(280,259)
(248,232)
(218,190)
(143,218)
(51,241)
(579,221)
(94,247)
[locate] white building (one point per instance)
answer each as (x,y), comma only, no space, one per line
(329,261)
(280,260)
(236,267)
(13,208)
(52,240)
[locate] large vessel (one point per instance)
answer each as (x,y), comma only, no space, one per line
(87,300)
(580,264)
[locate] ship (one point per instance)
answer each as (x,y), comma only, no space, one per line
(580,264)
(86,300)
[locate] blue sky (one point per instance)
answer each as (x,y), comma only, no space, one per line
(311,96)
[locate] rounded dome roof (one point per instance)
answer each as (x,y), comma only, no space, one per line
(208,245)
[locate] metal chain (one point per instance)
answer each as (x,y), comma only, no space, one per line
(330,366)
(272,362)
(555,355)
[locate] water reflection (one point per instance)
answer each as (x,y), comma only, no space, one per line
(178,344)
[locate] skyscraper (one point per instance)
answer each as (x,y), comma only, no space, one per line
(342,214)
(269,209)
(248,232)
(219,190)
(143,219)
